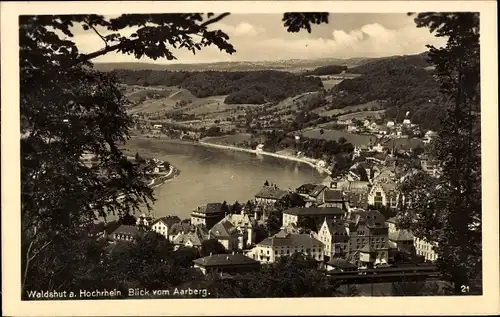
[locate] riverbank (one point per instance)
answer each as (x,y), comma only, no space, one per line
(309,161)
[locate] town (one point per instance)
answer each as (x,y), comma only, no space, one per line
(346,223)
(259,170)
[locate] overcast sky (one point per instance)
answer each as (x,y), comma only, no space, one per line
(263,37)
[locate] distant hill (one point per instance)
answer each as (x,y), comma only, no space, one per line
(293,65)
(327,70)
(394,62)
(403,83)
(251,87)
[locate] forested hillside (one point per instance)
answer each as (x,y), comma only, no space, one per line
(404,83)
(393,62)
(242,87)
(327,70)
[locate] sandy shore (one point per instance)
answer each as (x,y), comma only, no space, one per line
(311,162)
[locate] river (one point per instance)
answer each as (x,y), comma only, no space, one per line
(214,175)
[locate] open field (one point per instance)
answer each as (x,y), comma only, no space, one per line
(361,115)
(361,107)
(329,83)
(229,139)
(355,139)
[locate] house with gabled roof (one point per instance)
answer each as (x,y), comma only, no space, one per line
(162,225)
(226,263)
(335,237)
(269,195)
(227,234)
(305,189)
(125,233)
(192,238)
(207,214)
(384,194)
(334,198)
(285,244)
(246,225)
(316,195)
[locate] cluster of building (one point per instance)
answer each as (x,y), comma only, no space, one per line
(390,129)
(342,224)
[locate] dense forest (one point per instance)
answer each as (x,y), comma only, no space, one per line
(242,87)
(327,70)
(402,83)
(393,62)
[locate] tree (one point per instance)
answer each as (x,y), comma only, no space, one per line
(128,220)
(291,200)
(447,210)
(68,109)
(211,247)
(236,208)
(291,276)
(308,224)
(225,208)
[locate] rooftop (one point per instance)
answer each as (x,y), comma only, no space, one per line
(223,229)
(271,192)
(317,190)
(293,240)
(341,263)
(125,229)
(225,260)
(241,220)
(169,220)
(210,208)
(307,188)
(314,211)
(401,235)
(333,195)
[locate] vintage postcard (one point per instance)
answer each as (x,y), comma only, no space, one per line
(265,157)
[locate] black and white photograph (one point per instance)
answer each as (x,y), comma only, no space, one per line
(199,151)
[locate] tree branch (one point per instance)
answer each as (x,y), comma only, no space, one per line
(97,32)
(214,20)
(107,49)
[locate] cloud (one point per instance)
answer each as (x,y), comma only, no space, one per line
(370,40)
(256,39)
(241,29)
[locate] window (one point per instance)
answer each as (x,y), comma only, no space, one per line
(276,252)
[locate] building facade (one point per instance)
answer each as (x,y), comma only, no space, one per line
(295,215)
(285,244)
(207,215)
(425,249)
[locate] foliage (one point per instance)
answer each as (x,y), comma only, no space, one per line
(291,200)
(393,62)
(447,210)
(252,87)
(308,224)
(402,83)
(419,288)
(327,70)
(210,247)
(290,276)
(68,109)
